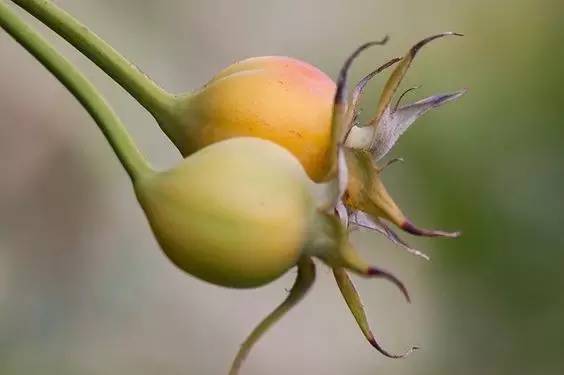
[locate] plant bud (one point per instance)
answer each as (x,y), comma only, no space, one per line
(235,213)
(280,99)
(239,212)
(292,103)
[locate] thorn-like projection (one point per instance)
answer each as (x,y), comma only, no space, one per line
(409,227)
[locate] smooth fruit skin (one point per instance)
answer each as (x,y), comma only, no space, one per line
(280,99)
(235,213)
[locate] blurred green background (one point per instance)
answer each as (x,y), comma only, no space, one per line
(84,288)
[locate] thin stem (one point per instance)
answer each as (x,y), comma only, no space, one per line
(304,281)
(108,122)
(151,96)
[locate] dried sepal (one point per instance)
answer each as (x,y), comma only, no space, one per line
(395,121)
(351,260)
(331,192)
(354,192)
(354,303)
(358,91)
(366,192)
(411,228)
(398,74)
(361,85)
(339,125)
(330,243)
(303,283)
(370,135)
(359,219)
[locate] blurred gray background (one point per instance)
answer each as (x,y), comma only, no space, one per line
(84,288)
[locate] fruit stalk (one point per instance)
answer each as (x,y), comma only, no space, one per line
(156,100)
(303,283)
(79,86)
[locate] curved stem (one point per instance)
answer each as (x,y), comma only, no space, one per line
(304,281)
(108,122)
(151,96)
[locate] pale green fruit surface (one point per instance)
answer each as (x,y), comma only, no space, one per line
(235,213)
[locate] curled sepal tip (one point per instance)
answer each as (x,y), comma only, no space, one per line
(400,71)
(340,123)
(378,272)
(341,95)
(349,258)
(361,85)
(353,108)
(304,281)
(409,227)
(378,347)
(421,43)
(396,78)
(354,303)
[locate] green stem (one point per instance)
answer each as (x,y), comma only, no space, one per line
(81,88)
(151,96)
(304,281)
